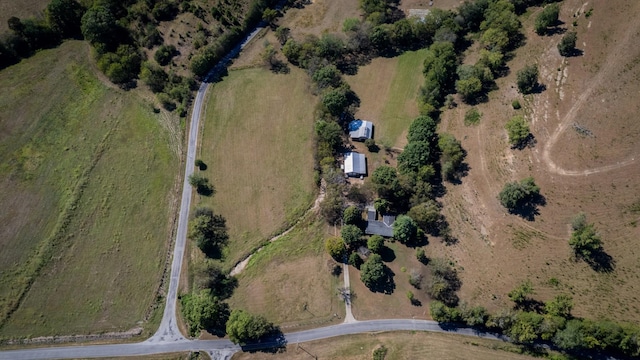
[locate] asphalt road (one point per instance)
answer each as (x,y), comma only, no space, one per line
(223,349)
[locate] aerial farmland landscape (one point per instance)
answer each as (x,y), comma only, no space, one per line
(328,179)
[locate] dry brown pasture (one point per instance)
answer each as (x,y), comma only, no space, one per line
(399,345)
(22,9)
(596,175)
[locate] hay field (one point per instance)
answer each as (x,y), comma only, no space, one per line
(257,141)
(88,201)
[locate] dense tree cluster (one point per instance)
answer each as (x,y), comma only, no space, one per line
(551,322)
(443,282)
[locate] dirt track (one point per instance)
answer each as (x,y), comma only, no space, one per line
(611,64)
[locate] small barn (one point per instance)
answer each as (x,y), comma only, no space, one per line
(355,164)
(360,130)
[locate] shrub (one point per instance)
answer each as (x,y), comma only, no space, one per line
(421,256)
(375,243)
(518,131)
(516,105)
(567,45)
(335,247)
(164,54)
(527,79)
(472,117)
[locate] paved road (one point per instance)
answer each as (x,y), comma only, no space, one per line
(223,349)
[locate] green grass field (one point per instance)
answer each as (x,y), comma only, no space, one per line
(88,198)
(289,280)
(258,144)
(388,90)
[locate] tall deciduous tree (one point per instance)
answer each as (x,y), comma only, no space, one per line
(208,230)
(351,235)
(203,311)
(515,194)
(405,229)
(243,327)
(64,17)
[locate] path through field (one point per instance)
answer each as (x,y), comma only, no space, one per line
(611,63)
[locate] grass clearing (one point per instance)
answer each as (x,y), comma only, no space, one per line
(258,145)
(368,305)
(289,280)
(388,91)
(90,193)
(399,345)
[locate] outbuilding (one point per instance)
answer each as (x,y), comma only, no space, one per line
(355,164)
(360,130)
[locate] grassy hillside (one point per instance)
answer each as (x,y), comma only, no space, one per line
(576,173)
(88,197)
(257,143)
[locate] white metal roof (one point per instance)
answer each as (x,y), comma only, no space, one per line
(355,163)
(360,129)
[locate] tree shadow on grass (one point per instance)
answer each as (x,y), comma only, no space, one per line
(528,142)
(274,342)
(387,254)
(601,262)
(531,305)
(528,210)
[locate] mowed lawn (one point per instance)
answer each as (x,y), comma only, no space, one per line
(88,196)
(258,144)
(289,281)
(388,90)
(400,346)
